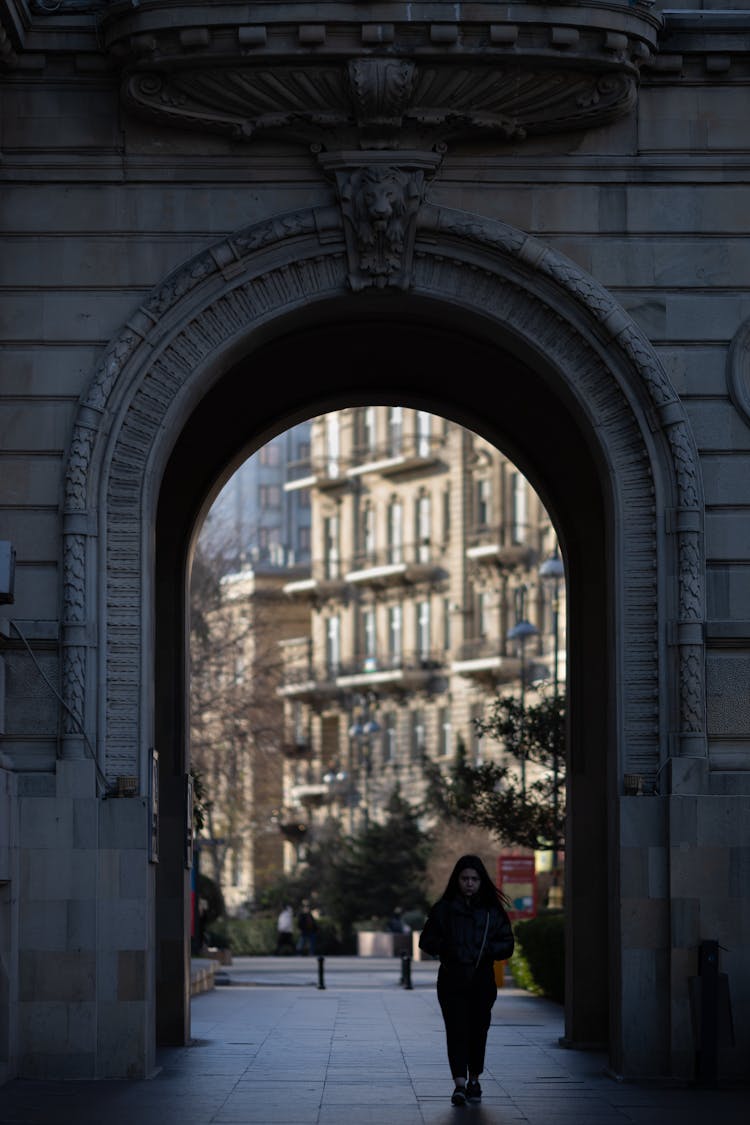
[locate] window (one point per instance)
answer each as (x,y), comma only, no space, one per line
(270,454)
(331,546)
(394,635)
(446,515)
(445,733)
(476,739)
(333,445)
(269,496)
(424,433)
(368,534)
(395,532)
(423,528)
(423,630)
(333,645)
(369,640)
(520,513)
(390,738)
(484,510)
(483,615)
(303,498)
(446,623)
(395,430)
(418,739)
(303,540)
(303,451)
(369,431)
(298,724)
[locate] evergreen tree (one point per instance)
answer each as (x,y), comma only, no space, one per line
(518,805)
(381,868)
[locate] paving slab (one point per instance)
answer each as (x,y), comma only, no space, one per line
(272,1048)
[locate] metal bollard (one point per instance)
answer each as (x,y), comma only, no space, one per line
(321,975)
(406,971)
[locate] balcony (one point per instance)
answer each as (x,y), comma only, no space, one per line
(326,580)
(413,454)
(326,474)
(492,546)
(309,684)
(293,824)
(396,672)
(296,749)
(310,793)
(349,76)
(395,566)
(302,680)
(482,659)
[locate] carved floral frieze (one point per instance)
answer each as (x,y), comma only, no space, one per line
(397,75)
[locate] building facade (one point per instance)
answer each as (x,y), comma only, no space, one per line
(428,545)
(221,220)
(236,718)
(254,520)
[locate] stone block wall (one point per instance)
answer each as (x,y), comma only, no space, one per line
(97,208)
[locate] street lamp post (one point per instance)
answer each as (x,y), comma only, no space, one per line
(552,572)
(361,732)
(520,633)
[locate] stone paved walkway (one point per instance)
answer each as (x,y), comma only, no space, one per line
(272,1049)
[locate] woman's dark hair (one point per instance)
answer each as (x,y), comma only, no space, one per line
(488,894)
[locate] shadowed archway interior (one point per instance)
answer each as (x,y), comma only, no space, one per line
(476,381)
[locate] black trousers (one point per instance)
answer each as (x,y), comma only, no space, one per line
(466,1005)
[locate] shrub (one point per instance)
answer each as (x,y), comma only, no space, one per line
(538,963)
(257,936)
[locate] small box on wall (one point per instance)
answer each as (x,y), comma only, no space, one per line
(7,571)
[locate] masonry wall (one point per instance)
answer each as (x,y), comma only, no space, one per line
(99,207)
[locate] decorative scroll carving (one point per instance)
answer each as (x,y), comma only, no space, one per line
(738,370)
(380,90)
(379,205)
(369,99)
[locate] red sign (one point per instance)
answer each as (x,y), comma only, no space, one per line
(516,877)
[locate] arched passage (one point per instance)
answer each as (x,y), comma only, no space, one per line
(496,333)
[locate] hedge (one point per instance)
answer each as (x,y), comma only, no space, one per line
(538,963)
(257,936)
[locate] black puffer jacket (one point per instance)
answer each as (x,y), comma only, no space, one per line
(454,931)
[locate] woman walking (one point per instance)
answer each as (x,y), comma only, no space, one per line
(468,929)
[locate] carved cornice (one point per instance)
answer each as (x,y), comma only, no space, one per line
(395,75)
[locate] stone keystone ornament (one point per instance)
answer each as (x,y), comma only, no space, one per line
(379,204)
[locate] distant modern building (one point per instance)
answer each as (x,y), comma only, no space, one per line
(254,518)
(427,548)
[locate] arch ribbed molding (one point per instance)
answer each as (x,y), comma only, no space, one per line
(263,272)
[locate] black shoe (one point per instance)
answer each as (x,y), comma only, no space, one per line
(459,1096)
(473,1091)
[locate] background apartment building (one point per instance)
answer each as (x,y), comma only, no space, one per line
(236,724)
(425,598)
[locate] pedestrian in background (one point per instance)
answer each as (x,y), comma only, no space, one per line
(284,926)
(308,929)
(468,929)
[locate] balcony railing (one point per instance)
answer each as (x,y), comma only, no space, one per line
(407,454)
(483,658)
(398,563)
(326,579)
(319,472)
(398,671)
(495,544)
(307,682)
(296,748)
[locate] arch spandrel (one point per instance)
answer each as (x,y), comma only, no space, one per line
(177,342)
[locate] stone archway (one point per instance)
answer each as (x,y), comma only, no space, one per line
(497,286)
